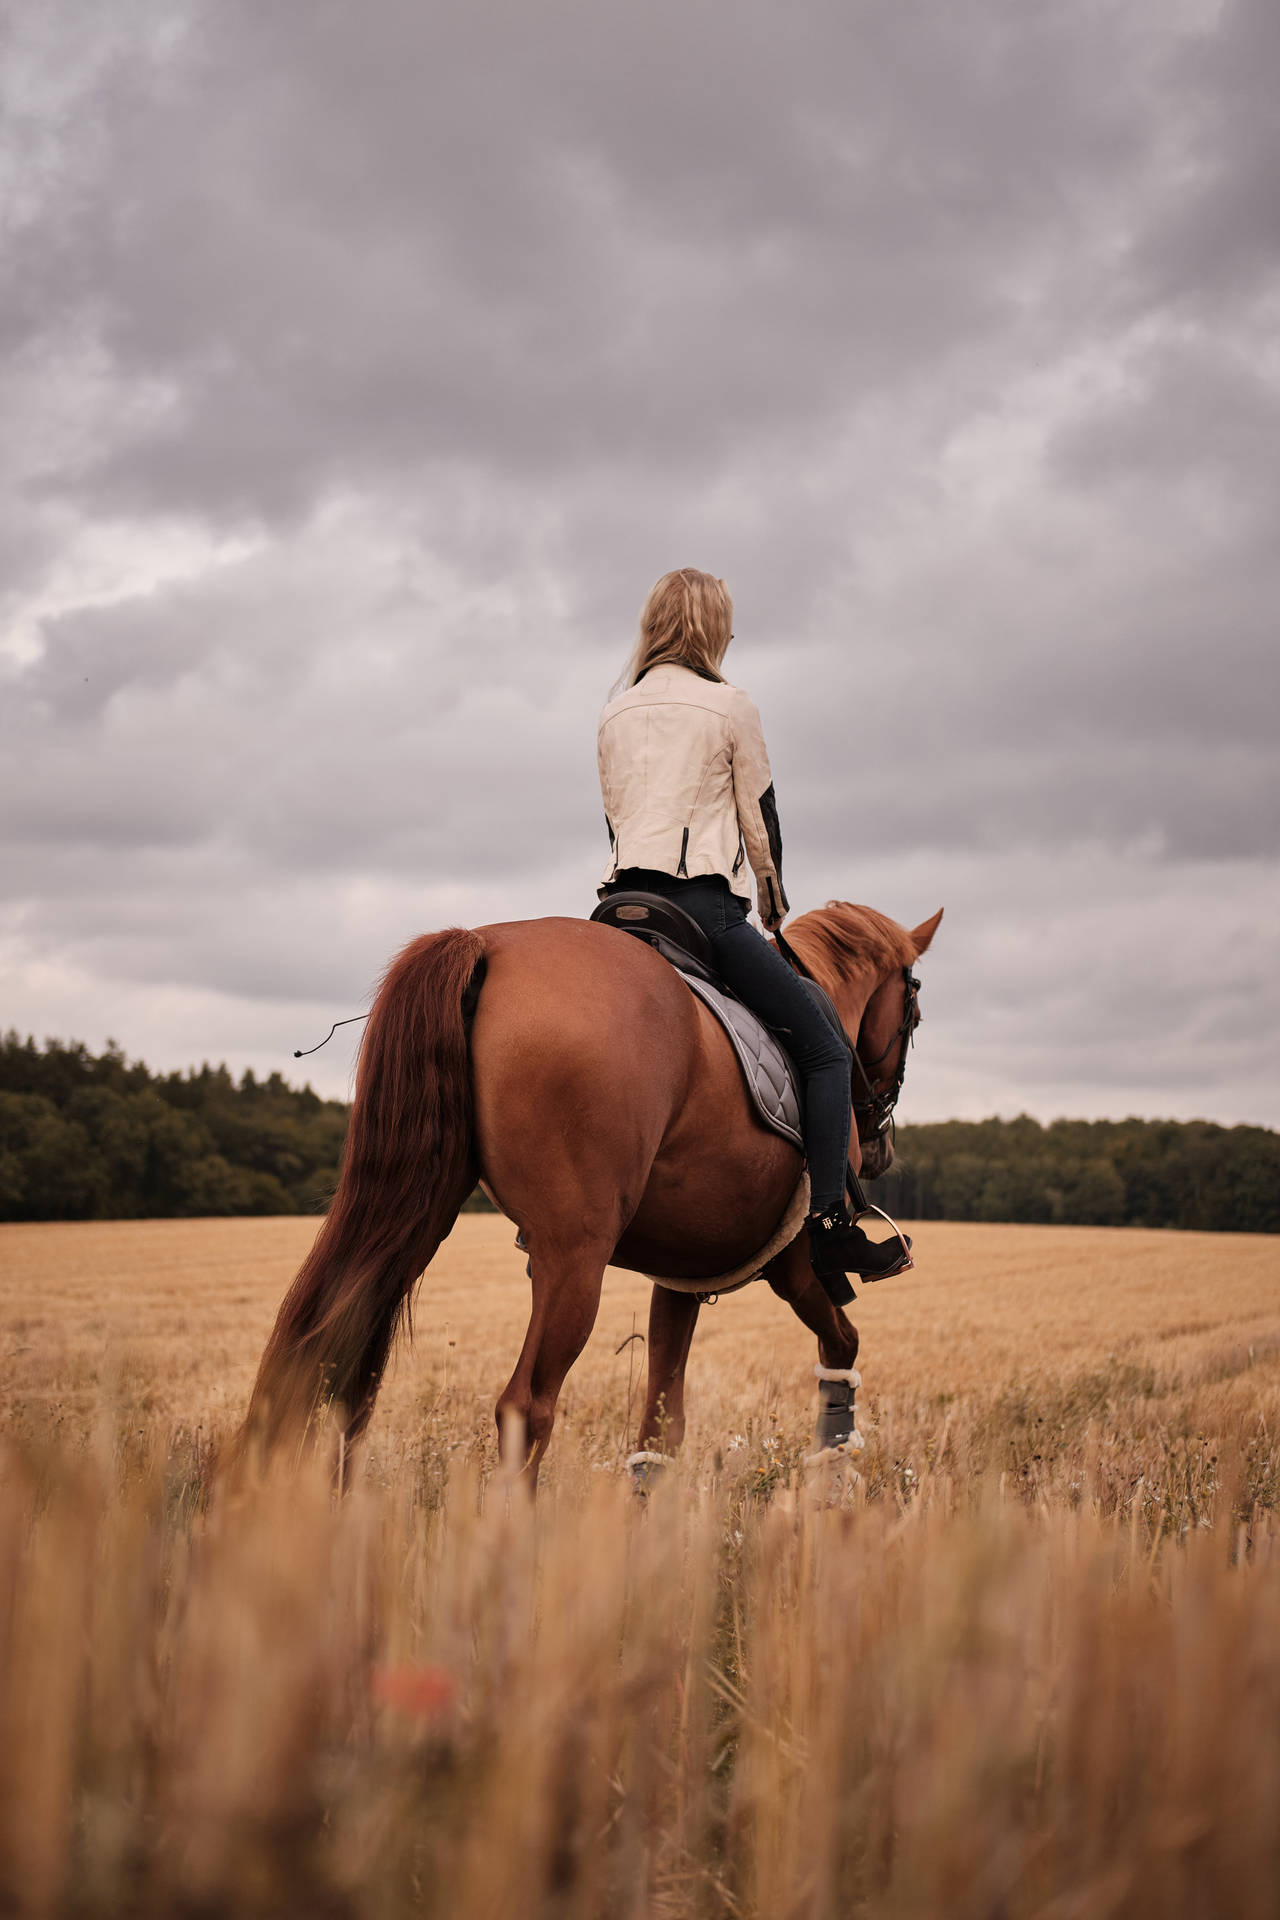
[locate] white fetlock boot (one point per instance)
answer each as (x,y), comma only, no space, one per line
(644,1470)
(836,1435)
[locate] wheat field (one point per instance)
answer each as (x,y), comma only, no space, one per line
(1025,1661)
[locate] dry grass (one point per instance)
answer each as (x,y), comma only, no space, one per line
(1027,1665)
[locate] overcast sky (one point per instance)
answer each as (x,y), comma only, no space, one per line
(363,366)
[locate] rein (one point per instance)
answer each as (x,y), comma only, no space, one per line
(876,1109)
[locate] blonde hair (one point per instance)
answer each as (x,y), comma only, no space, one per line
(687,621)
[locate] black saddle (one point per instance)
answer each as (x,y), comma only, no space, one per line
(663,925)
(679,939)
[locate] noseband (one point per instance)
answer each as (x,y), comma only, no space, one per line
(872,1111)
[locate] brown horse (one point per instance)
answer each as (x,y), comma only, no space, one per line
(572,1070)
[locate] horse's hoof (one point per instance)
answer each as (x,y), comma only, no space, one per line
(838,1454)
(644,1470)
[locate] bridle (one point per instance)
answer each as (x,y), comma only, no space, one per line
(878,1107)
(872,1111)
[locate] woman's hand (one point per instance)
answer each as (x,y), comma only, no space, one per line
(771,922)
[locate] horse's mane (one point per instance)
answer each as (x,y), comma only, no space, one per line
(841,938)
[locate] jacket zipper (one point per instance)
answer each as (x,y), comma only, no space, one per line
(684,848)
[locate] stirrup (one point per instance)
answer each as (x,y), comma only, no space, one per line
(826,1234)
(899,1235)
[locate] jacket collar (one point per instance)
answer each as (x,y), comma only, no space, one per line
(679,666)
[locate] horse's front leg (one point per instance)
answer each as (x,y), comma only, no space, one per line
(793,1280)
(672,1319)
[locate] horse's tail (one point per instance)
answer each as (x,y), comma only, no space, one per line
(407,1167)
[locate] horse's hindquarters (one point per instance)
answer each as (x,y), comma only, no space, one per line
(610,1106)
(573,1097)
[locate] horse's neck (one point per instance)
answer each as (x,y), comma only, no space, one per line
(851,994)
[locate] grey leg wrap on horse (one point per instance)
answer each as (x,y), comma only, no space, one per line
(644,1470)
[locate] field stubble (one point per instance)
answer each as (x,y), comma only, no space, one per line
(1028,1663)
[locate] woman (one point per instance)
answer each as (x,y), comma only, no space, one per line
(688,799)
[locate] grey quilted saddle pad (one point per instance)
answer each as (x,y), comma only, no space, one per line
(766,1069)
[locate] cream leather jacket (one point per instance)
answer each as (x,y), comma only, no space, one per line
(687,787)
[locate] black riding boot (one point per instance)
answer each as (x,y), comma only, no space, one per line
(838,1246)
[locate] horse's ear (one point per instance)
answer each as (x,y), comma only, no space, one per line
(923,934)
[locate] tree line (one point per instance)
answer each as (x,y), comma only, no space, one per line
(85,1137)
(1102,1173)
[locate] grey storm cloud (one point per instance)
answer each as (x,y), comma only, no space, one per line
(361,367)
(335,244)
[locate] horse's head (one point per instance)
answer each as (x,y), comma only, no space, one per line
(864,961)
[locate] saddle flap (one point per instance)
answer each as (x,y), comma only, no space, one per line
(769,1075)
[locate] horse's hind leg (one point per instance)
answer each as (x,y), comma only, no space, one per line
(672,1319)
(566,1299)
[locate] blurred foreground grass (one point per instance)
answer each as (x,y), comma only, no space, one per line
(1027,1664)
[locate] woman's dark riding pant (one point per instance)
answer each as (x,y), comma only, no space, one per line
(761,978)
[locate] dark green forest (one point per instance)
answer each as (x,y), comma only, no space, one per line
(101,1138)
(85,1138)
(1104,1173)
